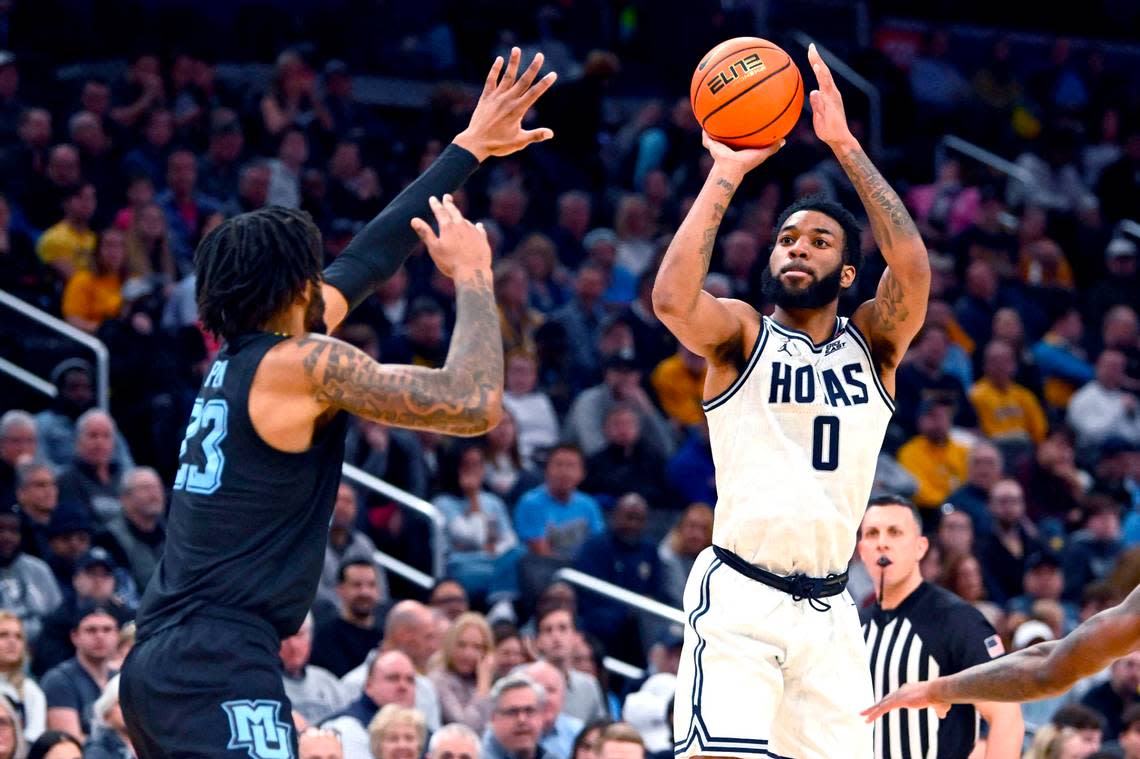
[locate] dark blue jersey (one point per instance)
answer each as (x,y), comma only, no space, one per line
(248,523)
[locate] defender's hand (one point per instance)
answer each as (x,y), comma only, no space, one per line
(909,696)
(496,124)
(460,245)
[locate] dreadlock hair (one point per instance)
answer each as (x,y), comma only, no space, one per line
(852,255)
(252,266)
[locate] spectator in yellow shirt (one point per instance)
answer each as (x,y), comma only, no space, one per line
(679,382)
(91,298)
(936,461)
(1007,412)
(68,246)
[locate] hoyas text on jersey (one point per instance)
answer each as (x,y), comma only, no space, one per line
(801,384)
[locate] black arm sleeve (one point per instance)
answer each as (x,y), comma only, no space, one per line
(386,242)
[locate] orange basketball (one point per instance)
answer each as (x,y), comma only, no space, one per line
(747,93)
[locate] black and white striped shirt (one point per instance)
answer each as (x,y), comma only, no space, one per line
(931,633)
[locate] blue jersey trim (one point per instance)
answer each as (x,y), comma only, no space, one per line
(698,731)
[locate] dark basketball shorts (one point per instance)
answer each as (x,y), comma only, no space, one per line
(210,686)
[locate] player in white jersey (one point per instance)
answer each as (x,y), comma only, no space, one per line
(774,662)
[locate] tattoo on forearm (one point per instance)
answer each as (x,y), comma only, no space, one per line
(708,241)
(708,237)
(889,217)
(452,400)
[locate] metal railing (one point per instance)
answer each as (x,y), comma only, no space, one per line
(874,99)
(982,156)
(621,595)
(407,571)
(623,669)
(433,515)
(102,357)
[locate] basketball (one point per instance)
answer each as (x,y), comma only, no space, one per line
(747,93)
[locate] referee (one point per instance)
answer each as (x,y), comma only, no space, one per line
(918,631)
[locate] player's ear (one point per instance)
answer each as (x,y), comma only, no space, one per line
(847,276)
(923,546)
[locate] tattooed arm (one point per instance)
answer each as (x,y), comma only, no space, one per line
(704,324)
(1041,671)
(462,398)
(896,313)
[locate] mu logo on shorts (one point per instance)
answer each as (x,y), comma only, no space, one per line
(254,727)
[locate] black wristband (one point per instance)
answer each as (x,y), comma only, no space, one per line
(379,250)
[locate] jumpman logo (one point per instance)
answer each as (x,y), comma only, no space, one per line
(785,349)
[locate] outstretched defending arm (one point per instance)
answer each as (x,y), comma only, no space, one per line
(704,324)
(385,243)
(1041,671)
(893,317)
(462,398)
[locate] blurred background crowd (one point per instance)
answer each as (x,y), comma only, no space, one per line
(143,125)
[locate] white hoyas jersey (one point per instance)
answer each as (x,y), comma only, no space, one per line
(795,440)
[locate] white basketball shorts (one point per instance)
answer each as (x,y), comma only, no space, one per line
(762,675)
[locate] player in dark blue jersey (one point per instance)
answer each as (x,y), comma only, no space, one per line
(260,463)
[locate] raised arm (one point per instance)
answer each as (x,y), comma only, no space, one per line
(462,398)
(704,324)
(893,317)
(386,242)
(1041,671)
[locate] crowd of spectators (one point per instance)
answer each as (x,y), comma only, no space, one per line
(1017,431)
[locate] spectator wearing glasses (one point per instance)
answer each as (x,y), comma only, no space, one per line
(516,720)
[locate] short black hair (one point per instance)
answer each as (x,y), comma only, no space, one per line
(353,561)
(253,266)
(571,447)
(48,740)
(852,254)
(541,614)
(894,499)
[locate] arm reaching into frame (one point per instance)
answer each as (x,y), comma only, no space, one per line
(1041,671)
(495,130)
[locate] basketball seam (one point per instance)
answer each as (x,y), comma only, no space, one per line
(739,95)
(780,115)
(718,61)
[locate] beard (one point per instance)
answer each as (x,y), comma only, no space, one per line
(817,294)
(315,312)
